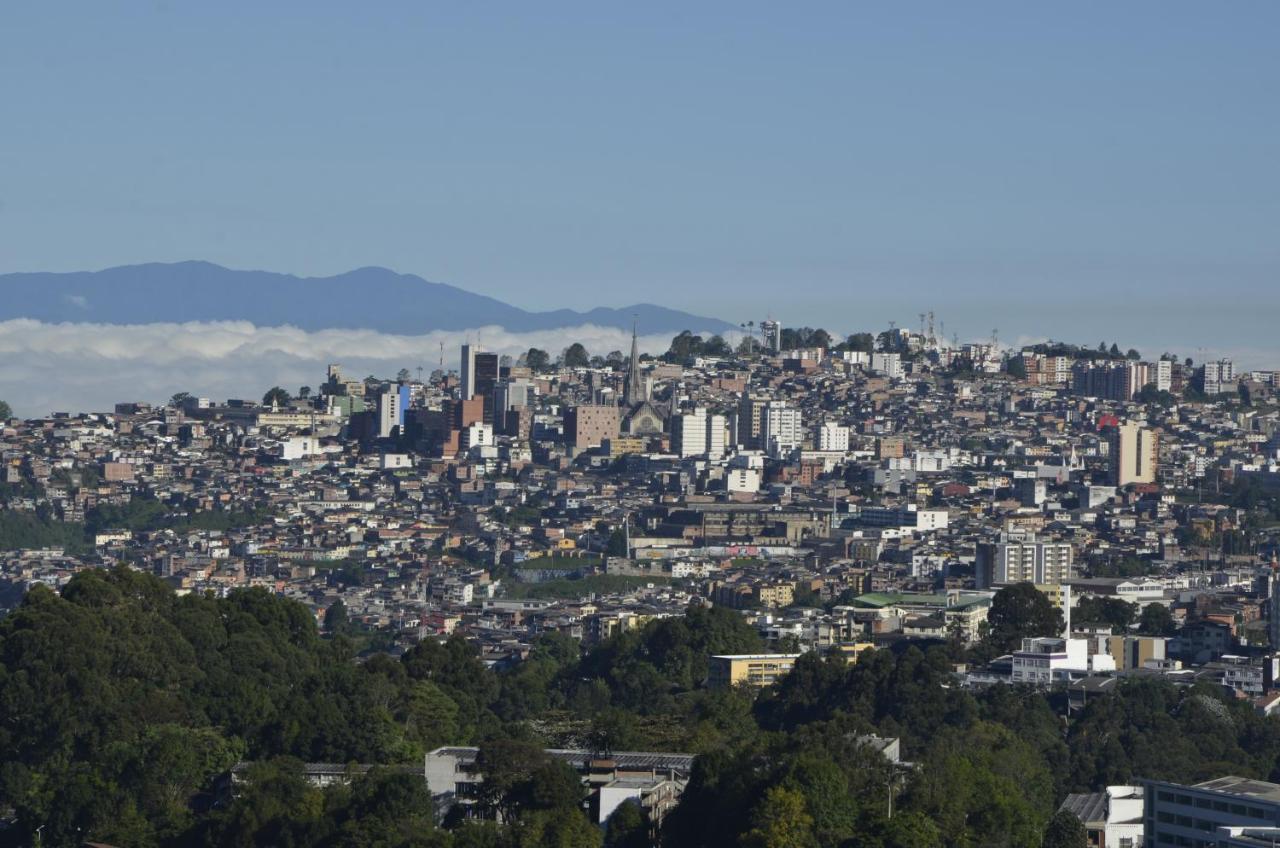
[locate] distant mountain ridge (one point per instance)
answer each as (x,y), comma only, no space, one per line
(367,298)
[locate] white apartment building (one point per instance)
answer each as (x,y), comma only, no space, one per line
(781,428)
(887,365)
(1162,375)
(699,433)
(1045,660)
(477,435)
(1135,454)
(833,437)
(1219,377)
(1022,559)
(742,480)
(689,434)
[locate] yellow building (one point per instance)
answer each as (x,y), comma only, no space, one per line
(1132,652)
(756,670)
(777,595)
(620,446)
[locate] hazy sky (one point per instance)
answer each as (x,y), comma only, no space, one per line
(1084,170)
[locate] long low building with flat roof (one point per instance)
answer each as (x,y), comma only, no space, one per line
(756,670)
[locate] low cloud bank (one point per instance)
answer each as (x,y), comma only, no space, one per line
(77,367)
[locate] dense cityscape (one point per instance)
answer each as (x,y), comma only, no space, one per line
(800,589)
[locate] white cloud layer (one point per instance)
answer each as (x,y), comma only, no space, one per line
(90,367)
(77,367)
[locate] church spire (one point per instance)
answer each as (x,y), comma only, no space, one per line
(634,392)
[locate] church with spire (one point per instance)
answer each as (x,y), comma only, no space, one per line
(640,416)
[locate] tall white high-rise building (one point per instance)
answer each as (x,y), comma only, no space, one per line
(717,431)
(689,434)
(1162,375)
(699,433)
(390,411)
(1219,377)
(781,428)
(1135,453)
(468,371)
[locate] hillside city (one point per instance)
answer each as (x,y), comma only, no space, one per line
(678,596)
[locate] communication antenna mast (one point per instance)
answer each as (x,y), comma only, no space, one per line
(442,357)
(922,317)
(933,339)
(995,338)
(893,325)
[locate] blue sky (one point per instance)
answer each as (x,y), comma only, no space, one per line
(1081,170)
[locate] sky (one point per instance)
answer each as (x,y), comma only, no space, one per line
(1079,171)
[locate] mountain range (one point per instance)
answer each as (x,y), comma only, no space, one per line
(366,298)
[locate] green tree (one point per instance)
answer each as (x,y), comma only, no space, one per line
(684,347)
(1017,367)
(576,356)
(627,827)
(556,829)
(1113,611)
(275,396)
(717,346)
(861,342)
(537,359)
(1018,612)
(780,821)
(1156,620)
(912,830)
(336,622)
(1065,831)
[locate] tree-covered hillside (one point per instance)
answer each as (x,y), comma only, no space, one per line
(124,704)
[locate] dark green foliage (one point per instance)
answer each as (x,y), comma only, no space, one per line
(20,530)
(145,513)
(645,669)
(861,342)
(1113,611)
(628,827)
(6,412)
(537,359)
(1156,620)
(275,396)
(576,356)
(804,337)
(1065,831)
(336,622)
(123,702)
(1018,612)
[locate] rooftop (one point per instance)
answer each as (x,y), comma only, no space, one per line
(1248,787)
